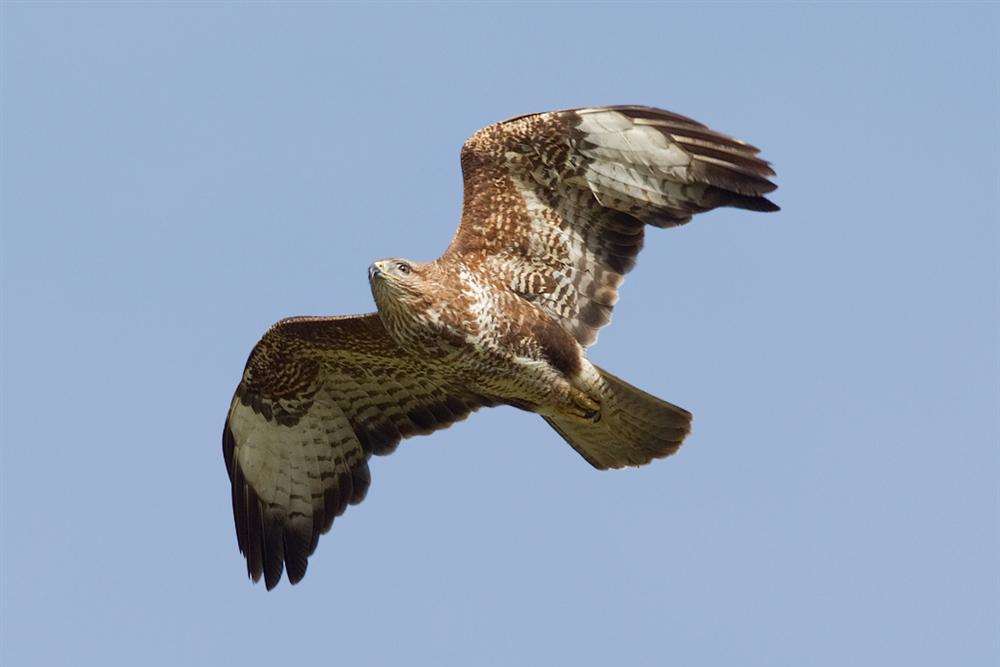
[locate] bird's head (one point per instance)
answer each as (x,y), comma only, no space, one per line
(394,280)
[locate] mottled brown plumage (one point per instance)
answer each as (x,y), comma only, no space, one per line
(555,210)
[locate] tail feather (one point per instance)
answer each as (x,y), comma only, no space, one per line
(634,427)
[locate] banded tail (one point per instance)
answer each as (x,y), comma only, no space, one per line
(634,427)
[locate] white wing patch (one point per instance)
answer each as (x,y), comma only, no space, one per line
(319,396)
(558,200)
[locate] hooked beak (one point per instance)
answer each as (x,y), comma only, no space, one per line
(374,271)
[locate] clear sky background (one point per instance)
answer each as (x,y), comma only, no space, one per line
(178,177)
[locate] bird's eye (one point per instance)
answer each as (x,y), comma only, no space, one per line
(403,268)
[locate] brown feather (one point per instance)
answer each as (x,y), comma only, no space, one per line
(308,389)
(548,191)
(554,216)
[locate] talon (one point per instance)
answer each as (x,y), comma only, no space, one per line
(586,408)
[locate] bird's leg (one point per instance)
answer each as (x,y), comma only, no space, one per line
(583,406)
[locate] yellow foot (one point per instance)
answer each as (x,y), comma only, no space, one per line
(584,406)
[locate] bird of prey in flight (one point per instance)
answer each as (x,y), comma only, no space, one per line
(555,210)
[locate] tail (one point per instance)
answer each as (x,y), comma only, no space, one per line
(633,429)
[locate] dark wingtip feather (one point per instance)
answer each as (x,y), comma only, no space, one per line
(228,447)
(762,204)
(273,549)
(240,510)
(730,177)
(362,479)
(634,111)
(765,205)
(752,164)
(716,196)
(297,538)
(254,529)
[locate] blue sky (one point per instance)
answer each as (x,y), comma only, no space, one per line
(177,177)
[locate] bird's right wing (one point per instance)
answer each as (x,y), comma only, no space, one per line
(556,203)
(318,397)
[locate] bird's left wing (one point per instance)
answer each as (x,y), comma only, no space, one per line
(556,203)
(318,397)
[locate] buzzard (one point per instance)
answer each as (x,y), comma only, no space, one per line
(555,210)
